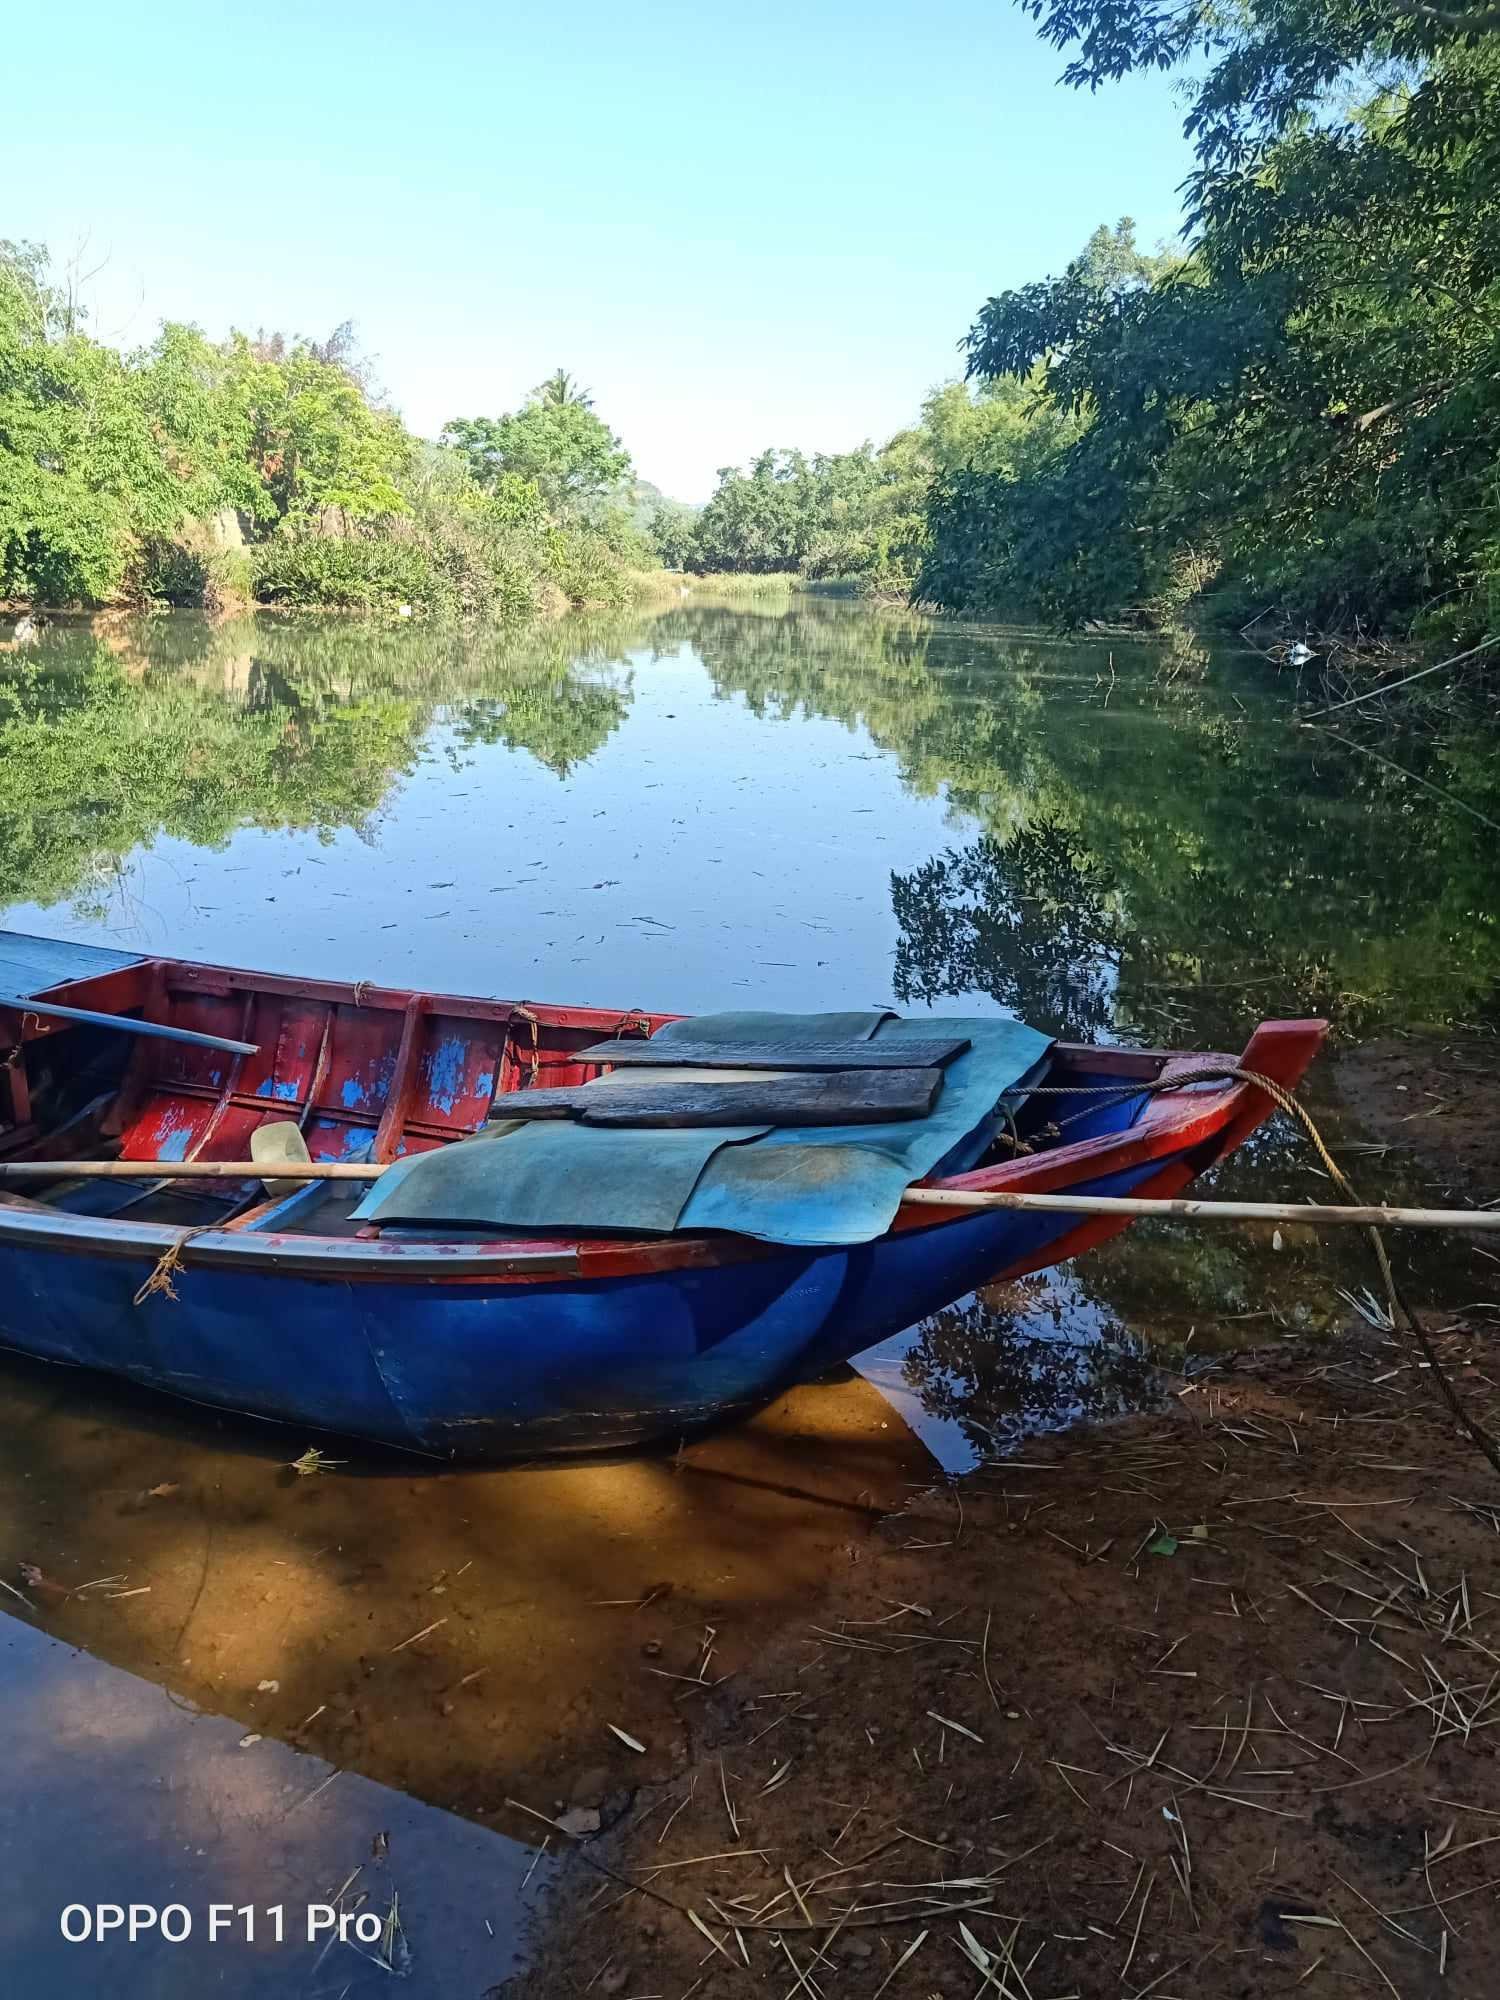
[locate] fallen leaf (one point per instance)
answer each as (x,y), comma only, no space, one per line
(578,1821)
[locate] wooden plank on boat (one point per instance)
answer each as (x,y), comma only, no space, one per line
(838,1097)
(891,1052)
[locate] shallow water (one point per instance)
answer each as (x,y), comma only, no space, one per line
(807,802)
(116,1795)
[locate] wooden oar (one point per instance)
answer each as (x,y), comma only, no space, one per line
(1480,1220)
(127,1024)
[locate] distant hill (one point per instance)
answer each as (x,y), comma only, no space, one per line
(643,499)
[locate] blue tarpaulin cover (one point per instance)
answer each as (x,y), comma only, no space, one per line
(31,965)
(803,1185)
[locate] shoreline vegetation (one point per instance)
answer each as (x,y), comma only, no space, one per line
(1289,420)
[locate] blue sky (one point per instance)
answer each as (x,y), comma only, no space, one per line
(741,227)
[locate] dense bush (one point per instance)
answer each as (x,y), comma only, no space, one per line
(117,473)
(353,573)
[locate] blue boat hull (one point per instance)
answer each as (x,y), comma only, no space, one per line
(478,1369)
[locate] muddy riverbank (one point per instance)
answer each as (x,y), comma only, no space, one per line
(1199,1703)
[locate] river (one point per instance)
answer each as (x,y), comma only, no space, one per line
(792,803)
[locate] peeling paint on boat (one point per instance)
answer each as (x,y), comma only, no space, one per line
(446,1073)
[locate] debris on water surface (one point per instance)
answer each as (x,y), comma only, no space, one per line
(314,1461)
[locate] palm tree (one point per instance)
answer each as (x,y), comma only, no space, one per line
(560,389)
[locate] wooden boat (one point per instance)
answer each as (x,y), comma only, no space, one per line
(467,1344)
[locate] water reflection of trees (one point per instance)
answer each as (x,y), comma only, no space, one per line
(1034,1355)
(111,736)
(1034,922)
(1190,856)
(1147,857)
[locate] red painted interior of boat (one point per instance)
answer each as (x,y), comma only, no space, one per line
(378,1072)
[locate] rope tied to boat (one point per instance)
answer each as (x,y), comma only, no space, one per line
(169,1263)
(534,1060)
(1403,1318)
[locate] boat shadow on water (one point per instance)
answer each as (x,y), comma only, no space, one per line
(462,1638)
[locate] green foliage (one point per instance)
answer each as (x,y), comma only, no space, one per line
(671,529)
(351,573)
(854,515)
(1304,411)
(194,570)
(554,440)
(1256,72)
(317,442)
(130,478)
(560,389)
(82,479)
(590,568)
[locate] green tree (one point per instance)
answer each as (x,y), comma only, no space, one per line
(554,439)
(84,476)
(672,530)
(560,389)
(855,515)
(1305,410)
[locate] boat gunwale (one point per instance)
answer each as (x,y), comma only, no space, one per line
(1209,1117)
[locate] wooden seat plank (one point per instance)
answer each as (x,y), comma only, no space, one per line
(849,1097)
(893,1052)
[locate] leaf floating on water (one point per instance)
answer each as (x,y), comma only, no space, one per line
(247,1741)
(268,1687)
(578,1822)
(629,1741)
(1163,1545)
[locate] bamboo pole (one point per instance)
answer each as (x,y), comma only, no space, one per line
(1312,1214)
(1480,1220)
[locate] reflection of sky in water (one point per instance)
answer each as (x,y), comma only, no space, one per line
(698,856)
(117,1793)
(806,801)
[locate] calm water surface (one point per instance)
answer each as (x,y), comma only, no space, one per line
(809,803)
